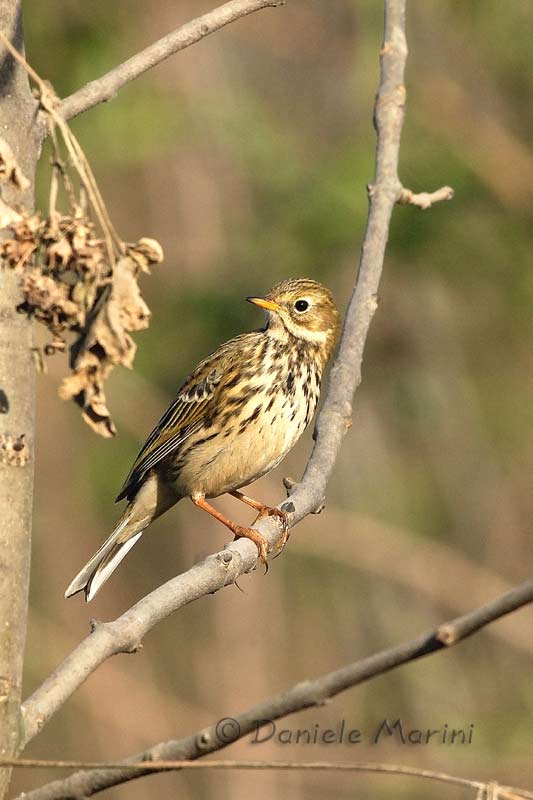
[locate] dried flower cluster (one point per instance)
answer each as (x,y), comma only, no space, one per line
(78,282)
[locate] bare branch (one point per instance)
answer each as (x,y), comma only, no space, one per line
(105,88)
(485,788)
(335,417)
(307,694)
(223,568)
(227,764)
(490,788)
(425,199)
(124,634)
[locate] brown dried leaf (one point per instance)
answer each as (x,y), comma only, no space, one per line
(106,343)
(72,280)
(84,386)
(145,252)
(72,286)
(8,216)
(134,314)
(16,253)
(16,250)
(46,297)
(80,235)
(9,168)
(60,250)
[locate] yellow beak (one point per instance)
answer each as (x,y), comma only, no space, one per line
(262,302)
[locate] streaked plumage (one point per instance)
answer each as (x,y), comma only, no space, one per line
(234,419)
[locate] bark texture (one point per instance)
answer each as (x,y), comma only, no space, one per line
(17,114)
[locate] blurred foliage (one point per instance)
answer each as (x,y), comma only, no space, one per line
(247,156)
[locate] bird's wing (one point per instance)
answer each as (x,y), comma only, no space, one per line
(186,414)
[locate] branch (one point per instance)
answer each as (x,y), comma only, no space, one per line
(425,199)
(105,88)
(335,417)
(307,694)
(17,422)
(490,789)
(224,568)
(227,764)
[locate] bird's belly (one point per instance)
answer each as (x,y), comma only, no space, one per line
(248,448)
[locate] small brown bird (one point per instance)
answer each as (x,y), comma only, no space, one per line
(234,419)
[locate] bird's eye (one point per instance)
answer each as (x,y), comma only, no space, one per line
(301,305)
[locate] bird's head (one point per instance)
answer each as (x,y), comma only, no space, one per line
(303,308)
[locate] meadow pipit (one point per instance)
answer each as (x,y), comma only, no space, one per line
(234,419)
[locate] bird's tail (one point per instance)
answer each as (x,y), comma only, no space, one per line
(107,558)
(153,498)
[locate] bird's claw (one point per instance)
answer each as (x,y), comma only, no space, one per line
(285,530)
(260,542)
(284,517)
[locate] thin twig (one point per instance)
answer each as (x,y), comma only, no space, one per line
(292,766)
(105,88)
(425,200)
(160,766)
(308,694)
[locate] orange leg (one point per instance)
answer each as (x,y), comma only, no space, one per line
(238,530)
(266,511)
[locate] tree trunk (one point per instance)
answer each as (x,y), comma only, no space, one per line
(17,118)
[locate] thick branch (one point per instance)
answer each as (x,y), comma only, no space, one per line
(217,571)
(17,108)
(304,695)
(105,88)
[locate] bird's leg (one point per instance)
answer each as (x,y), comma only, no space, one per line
(266,511)
(238,530)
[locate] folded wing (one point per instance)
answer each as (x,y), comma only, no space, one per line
(187,414)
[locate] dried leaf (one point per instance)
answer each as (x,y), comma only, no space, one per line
(145,252)
(80,235)
(59,250)
(48,299)
(71,282)
(9,168)
(84,388)
(106,343)
(77,275)
(8,216)
(16,251)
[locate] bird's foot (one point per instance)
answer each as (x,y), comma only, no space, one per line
(266,511)
(254,536)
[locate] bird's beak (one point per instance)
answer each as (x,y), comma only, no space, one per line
(262,302)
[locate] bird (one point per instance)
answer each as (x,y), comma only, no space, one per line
(235,417)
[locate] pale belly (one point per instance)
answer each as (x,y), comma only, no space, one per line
(247,452)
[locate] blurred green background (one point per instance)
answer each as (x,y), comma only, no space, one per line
(247,157)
